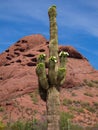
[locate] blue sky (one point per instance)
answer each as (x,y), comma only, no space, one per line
(77,23)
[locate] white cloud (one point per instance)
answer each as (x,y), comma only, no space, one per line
(77,14)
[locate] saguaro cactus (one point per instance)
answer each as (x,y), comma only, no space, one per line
(50,83)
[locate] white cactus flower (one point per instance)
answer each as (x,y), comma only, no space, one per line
(44,55)
(55,61)
(63,53)
(66,53)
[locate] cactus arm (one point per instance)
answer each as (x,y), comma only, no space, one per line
(62,69)
(63,58)
(41,58)
(52,75)
(41,72)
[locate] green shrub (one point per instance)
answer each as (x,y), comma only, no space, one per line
(95,104)
(80,110)
(65,124)
(34,97)
(88,94)
(88,83)
(67,102)
(72,108)
(29,125)
(76,127)
(91,109)
(95,81)
(85,104)
(76,102)
(1,109)
(19,125)
(74,94)
(2,126)
(65,120)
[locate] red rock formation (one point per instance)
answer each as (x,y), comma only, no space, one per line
(17,68)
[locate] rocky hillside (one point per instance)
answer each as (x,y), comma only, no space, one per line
(19,96)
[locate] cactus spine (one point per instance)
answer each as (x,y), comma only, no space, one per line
(49,85)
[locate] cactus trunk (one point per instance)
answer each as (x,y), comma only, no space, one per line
(53,109)
(53,101)
(49,84)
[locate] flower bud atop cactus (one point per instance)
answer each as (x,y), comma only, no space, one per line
(63,54)
(52,11)
(41,58)
(63,57)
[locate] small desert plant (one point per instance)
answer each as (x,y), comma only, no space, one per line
(91,109)
(76,127)
(34,97)
(88,94)
(72,108)
(91,83)
(88,83)
(95,81)
(88,107)
(67,102)
(77,102)
(18,125)
(2,125)
(95,104)
(28,125)
(1,109)
(85,104)
(65,120)
(65,124)
(40,125)
(80,110)
(76,109)
(74,94)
